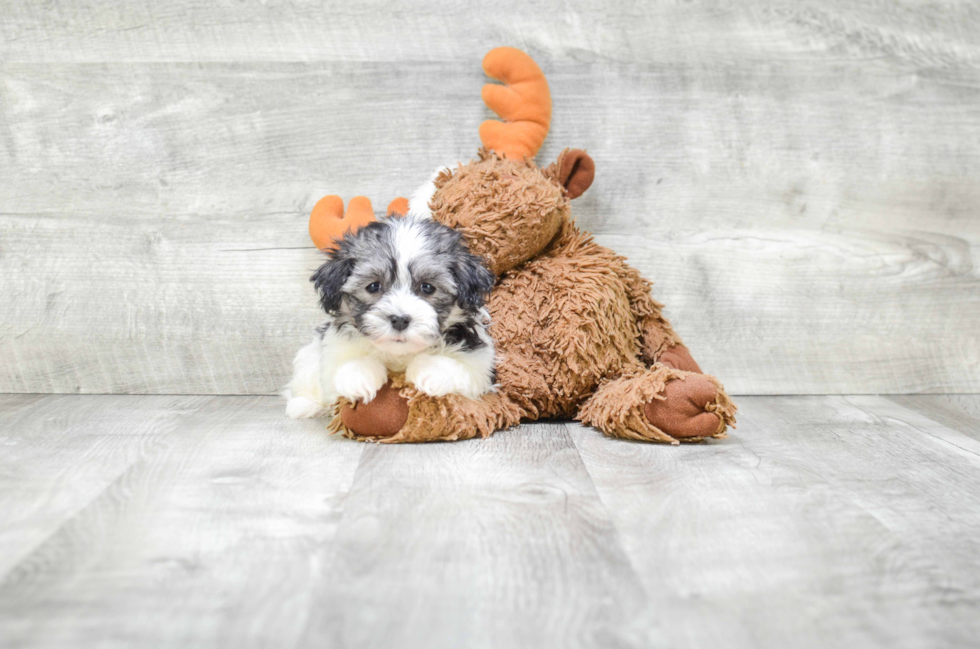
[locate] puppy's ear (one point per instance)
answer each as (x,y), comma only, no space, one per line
(329,279)
(473,281)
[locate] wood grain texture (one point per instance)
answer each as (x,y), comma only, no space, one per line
(153,306)
(216,522)
(378,30)
(218,527)
(498,543)
(961,412)
(60,452)
(797,178)
(823,521)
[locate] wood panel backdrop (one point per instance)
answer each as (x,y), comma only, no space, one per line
(801,179)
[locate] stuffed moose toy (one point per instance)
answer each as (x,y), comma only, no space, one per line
(576,331)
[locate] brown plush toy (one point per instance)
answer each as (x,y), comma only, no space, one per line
(577,333)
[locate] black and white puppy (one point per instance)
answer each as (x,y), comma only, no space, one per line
(402,294)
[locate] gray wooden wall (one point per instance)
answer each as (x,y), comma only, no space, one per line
(801,179)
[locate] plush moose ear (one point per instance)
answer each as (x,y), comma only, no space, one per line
(473,280)
(329,279)
(576,170)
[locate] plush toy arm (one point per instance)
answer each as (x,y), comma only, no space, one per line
(658,340)
(400,413)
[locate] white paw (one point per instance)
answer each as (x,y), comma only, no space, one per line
(360,379)
(303,408)
(438,376)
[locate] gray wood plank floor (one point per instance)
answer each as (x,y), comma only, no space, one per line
(216,522)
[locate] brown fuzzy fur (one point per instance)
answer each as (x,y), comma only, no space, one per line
(576,330)
(445,419)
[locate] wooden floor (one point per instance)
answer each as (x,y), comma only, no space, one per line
(217,522)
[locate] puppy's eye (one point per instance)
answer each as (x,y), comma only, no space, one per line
(427,288)
(373,287)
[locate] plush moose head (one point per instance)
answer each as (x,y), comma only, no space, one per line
(505,206)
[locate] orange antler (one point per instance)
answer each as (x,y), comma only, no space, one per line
(525,104)
(329,222)
(398,206)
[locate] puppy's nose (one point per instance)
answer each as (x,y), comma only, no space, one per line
(399,322)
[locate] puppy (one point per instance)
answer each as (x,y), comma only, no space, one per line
(401,294)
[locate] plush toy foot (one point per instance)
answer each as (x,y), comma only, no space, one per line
(689,408)
(400,413)
(660,404)
(383,416)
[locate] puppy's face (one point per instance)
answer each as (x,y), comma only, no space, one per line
(400,282)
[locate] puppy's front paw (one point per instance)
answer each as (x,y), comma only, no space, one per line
(438,376)
(303,408)
(360,379)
